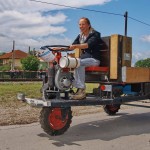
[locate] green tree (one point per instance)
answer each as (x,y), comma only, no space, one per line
(143,63)
(30,63)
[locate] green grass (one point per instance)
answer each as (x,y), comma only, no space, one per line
(13,111)
(8,91)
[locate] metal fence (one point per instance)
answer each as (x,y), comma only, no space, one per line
(22,75)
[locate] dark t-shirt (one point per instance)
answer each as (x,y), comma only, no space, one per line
(93,41)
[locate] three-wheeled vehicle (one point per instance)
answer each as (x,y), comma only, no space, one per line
(117,82)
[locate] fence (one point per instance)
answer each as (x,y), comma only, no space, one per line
(21,75)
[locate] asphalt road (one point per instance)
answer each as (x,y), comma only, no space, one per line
(128,130)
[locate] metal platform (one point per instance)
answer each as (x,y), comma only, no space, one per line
(86,102)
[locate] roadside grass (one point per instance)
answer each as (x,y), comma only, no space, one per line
(13,111)
(8,91)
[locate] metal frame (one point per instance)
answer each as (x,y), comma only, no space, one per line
(87,102)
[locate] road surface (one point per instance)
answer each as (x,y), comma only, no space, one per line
(128,130)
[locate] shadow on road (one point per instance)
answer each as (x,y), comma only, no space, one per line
(105,130)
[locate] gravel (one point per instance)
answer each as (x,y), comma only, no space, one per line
(25,114)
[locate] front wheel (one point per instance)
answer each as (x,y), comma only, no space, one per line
(55,121)
(111,109)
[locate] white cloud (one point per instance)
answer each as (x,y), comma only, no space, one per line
(31,6)
(25,21)
(145,38)
(138,55)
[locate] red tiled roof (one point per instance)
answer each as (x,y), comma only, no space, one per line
(18,54)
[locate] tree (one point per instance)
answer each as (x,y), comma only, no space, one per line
(143,63)
(30,63)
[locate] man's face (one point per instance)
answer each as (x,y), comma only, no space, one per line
(84,26)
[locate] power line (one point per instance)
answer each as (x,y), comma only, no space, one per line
(110,13)
(92,10)
(139,21)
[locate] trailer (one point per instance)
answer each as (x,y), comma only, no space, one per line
(117,82)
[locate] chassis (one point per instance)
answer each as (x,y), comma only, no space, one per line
(56,114)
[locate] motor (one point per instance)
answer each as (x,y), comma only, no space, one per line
(60,72)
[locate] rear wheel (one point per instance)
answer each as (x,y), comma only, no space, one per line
(111,109)
(55,121)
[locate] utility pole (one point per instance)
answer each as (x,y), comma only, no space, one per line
(126,23)
(13,56)
(29,51)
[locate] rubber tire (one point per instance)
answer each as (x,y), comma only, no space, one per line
(45,122)
(111,109)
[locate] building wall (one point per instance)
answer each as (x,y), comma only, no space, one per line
(18,63)
(9,61)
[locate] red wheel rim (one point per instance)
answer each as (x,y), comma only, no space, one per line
(55,119)
(112,107)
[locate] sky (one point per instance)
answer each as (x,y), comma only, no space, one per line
(35,23)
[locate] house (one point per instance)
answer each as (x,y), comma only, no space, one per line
(13,57)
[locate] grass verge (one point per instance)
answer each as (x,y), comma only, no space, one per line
(13,111)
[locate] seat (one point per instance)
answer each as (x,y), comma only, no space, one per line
(104,58)
(96,69)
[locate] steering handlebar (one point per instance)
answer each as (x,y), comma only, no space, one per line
(60,48)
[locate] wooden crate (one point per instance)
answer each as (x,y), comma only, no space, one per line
(71,54)
(135,74)
(104,51)
(77,53)
(120,54)
(126,51)
(114,56)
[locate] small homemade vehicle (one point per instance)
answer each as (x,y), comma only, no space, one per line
(117,82)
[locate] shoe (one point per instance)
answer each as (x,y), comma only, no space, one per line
(80,95)
(73,93)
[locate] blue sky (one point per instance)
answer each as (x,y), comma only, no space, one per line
(35,24)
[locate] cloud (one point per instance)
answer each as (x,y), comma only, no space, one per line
(30,23)
(138,55)
(42,5)
(145,38)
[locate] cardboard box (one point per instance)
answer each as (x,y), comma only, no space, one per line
(135,74)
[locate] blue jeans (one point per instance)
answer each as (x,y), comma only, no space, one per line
(79,73)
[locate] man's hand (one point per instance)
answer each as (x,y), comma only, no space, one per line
(58,48)
(72,47)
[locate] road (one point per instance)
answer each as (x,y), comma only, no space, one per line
(128,130)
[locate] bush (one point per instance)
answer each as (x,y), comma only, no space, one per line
(5,68)
(30,63)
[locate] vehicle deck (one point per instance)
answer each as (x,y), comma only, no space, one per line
(86,102)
